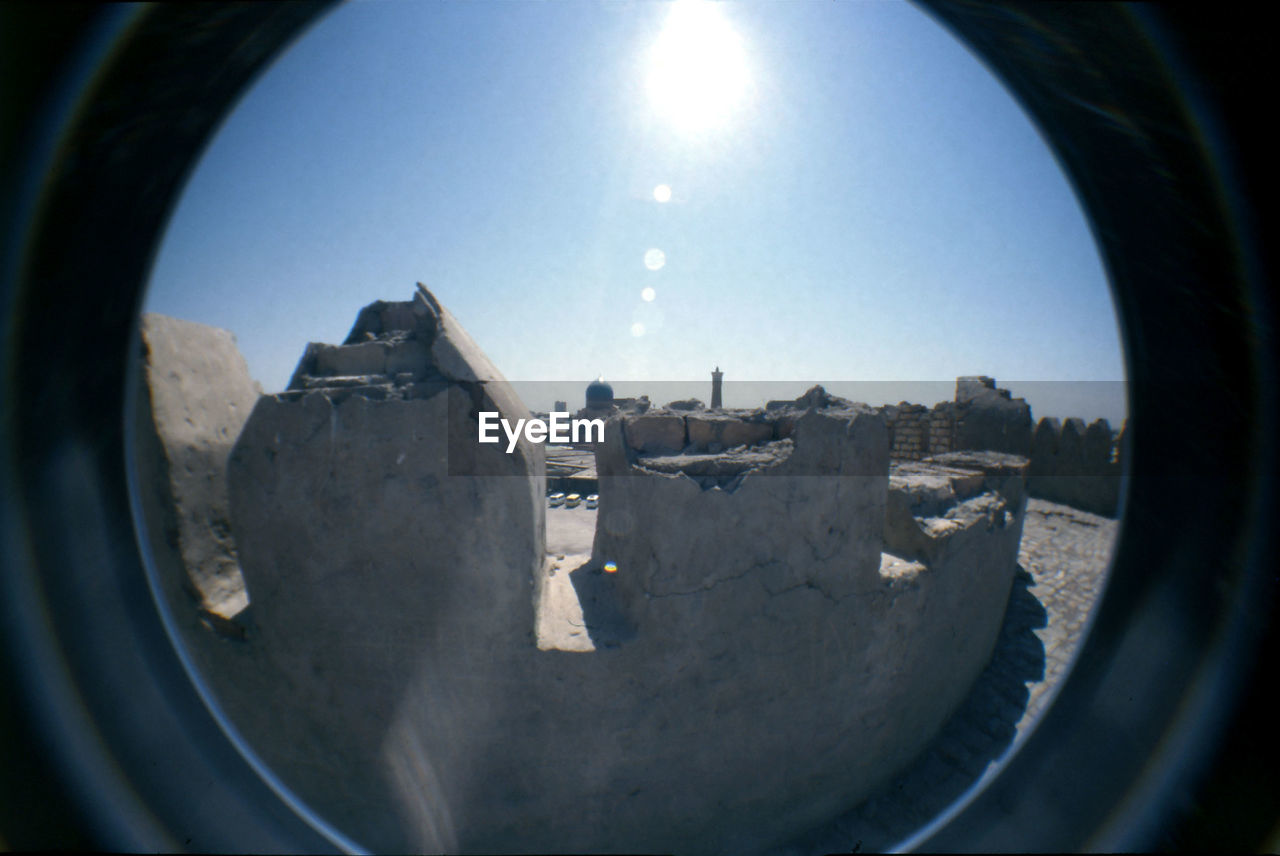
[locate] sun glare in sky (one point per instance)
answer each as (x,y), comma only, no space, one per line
(594,187)
(697,68)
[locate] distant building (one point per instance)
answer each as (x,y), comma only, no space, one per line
(599,395)
(717,385)
(562,407)
(600,404)
(632,405)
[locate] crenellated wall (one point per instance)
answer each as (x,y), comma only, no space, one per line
(1070,462)
(193,402)
(762,586)
(1076,464)
(781,617)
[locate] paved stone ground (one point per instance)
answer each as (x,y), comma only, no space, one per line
(570,530)
(1064,556)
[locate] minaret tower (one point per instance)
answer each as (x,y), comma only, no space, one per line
(717,382)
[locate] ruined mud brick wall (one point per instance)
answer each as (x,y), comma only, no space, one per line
(909,430)
(820,490)
(753,591)
(988,418)
(942,428)
(194,397)
(1077,465)
(916,431)
(379,557)
(983,417)
(1070,462)
(934,502)
(391,679)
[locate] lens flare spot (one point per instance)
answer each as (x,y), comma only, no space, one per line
(654,259)
(648,295)
(662,193)
(610,567)
(637,329)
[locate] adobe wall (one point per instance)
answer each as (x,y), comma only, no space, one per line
(982,417)
(759,589)
(380,562)
(1077,465)
(916,431)
(988,418)
(195,394)
(783,601)
(1070,462)
(936,503)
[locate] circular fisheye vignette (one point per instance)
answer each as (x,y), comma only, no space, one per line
(1121,801)
(91,591)
(654,260)
(148,527)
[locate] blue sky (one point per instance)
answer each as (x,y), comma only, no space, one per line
(853,198)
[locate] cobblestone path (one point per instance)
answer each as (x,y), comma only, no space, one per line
(1063,560)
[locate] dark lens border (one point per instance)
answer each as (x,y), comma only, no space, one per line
(106,741)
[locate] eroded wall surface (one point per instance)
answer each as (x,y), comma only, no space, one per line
(195,395)
(770,645)
(389,558)
(981,417)
(1078,465)
(761,628)
(1070,462)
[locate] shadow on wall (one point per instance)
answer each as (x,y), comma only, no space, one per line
(603,617)
(978,734)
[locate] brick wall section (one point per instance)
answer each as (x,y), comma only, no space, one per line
(942,428)
(1070,462)
(915,431)
(910,428)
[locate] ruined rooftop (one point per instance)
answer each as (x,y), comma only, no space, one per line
(396,350)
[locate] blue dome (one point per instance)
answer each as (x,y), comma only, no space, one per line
(599,393)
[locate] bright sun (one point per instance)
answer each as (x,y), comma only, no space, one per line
(697,67)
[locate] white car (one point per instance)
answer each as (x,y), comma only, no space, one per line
(572,500)
(593,500)
(557,500)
